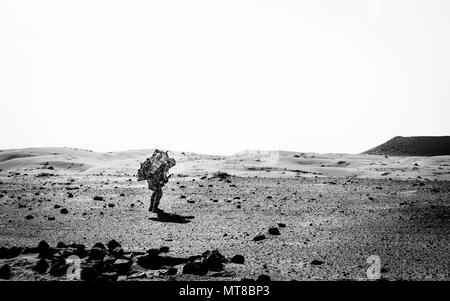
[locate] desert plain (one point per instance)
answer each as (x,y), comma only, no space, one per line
(290,215)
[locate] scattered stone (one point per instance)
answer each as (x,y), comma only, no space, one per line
(122,266)
(70,195)
(274,231)
(59,267)
(61,245)
(7,253)
(57,206)
(29,216)
(164,249)
(112,244)
(98,198)
(259,237)
(150,261)
(64,211)
(91,272)
(41,266)
(281,225)
(213,260)
(263,278)
(153,252)
(239,259)
(195,268)
(51,218)
(97,252)
(317,262)
(5,272)
(111,205)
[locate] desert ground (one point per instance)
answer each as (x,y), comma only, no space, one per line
(291,215)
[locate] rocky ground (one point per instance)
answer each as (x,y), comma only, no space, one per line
(221,227)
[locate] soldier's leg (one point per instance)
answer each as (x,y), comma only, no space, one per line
(152,201)
(158,196)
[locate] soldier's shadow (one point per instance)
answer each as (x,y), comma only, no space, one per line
(165,217)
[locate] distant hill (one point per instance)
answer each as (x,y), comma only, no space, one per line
(413,146)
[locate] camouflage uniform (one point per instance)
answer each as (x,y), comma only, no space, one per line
(155,171)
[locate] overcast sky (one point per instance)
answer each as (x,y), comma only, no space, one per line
(223,76)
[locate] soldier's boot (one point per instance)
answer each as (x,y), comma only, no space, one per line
(158,197)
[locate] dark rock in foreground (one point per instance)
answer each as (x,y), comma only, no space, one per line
(41,266)
(238,259)
(274,231)
(5,272)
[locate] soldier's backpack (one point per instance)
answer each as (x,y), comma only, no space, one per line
(159,160)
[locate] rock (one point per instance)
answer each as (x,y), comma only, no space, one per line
(153,252)
(107,277)
(263,278)
(5,271)
(43,245)
(28,250)
(41,266)
(29,216)
(64,211)
(259,237)
(281,225)
(98,198)
(80,250)
(317,262)
(99,245)
(164,249)
(122,266)
(238,259)
(112,244)
(7,253)
(117,252)
(51,218)
(61,245)
(111,205)
(195,268)
(150,261)
(91,272)
(274,231)
(59,267)
(70,195)
(44,250)
(97,253)
(213,260)
(57,206)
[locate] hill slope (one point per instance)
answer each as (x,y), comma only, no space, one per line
(414,146)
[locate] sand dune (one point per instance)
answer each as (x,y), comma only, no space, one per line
(34,161)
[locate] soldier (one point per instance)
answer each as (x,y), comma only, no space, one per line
(155,170)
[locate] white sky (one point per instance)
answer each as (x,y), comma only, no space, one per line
(223,76)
